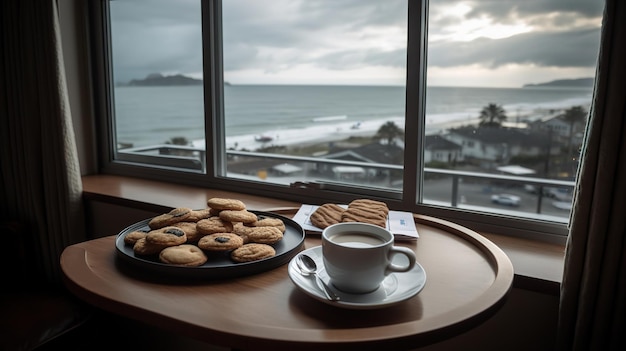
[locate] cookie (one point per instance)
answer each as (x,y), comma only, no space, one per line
(375,221)
(252,252)
(326,215)
(167,236)
(369,204)
(190,229)
(144,248)
(213,225)
(183,255)
(265,235)
(132,237)
(220,242)
(219,203)
(269,222)
(243,216)
(364,217)
(243,231)
(176,215)
(197,215)
(366,211)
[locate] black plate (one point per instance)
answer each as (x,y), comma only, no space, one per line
(218,265)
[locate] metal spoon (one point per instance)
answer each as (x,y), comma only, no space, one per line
(307,266)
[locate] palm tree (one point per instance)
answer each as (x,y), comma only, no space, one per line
(389,131)
(573,115)
(492,115)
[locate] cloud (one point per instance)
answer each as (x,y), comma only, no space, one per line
(155,36)
(353,35)
(569,49)
(507,9)
(306,32)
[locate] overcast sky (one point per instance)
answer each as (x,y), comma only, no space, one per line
(504,43)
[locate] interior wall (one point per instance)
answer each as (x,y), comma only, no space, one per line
(105,219)
(72,20)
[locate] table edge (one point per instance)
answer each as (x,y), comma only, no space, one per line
(433,330)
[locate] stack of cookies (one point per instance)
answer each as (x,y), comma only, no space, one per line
(359,210)
(187,237)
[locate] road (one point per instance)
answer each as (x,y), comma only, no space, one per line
(479,194)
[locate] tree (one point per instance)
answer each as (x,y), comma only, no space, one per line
(492,115)
(178,141)
(389,132)
(573,115)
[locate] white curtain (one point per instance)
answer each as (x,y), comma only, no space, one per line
(592,313)
(41,183)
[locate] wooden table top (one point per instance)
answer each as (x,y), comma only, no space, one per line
(468,277)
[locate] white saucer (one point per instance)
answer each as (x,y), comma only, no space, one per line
(397,287)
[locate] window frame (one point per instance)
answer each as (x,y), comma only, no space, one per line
(215,139)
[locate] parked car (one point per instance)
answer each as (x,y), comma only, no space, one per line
(506,199)
(560,194)
(534,189)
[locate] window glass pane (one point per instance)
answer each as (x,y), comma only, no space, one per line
(509,89)
(319,80)
(157,71)
(315,91)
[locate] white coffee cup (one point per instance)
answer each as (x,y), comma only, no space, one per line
(358,256)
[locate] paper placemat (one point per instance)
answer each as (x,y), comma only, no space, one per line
(401,224)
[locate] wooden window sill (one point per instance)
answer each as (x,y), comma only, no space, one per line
(538,265)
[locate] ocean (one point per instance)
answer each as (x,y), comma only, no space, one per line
(296,114)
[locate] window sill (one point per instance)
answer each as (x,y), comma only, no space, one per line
(538,265)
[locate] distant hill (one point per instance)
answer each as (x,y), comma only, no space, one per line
(157,79)
(580,83)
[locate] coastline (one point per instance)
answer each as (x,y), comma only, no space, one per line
(308,114)
(305,137)
(324,133)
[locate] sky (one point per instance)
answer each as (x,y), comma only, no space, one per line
(490,43)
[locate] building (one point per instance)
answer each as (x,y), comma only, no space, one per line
(490,147)
(439,149)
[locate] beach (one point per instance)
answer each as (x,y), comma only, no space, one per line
(322,133)
(298,115)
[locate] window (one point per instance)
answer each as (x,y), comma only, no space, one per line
(434,107)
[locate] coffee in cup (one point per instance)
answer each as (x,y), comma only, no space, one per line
(358,256)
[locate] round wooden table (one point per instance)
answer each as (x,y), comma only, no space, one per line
(468,278)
